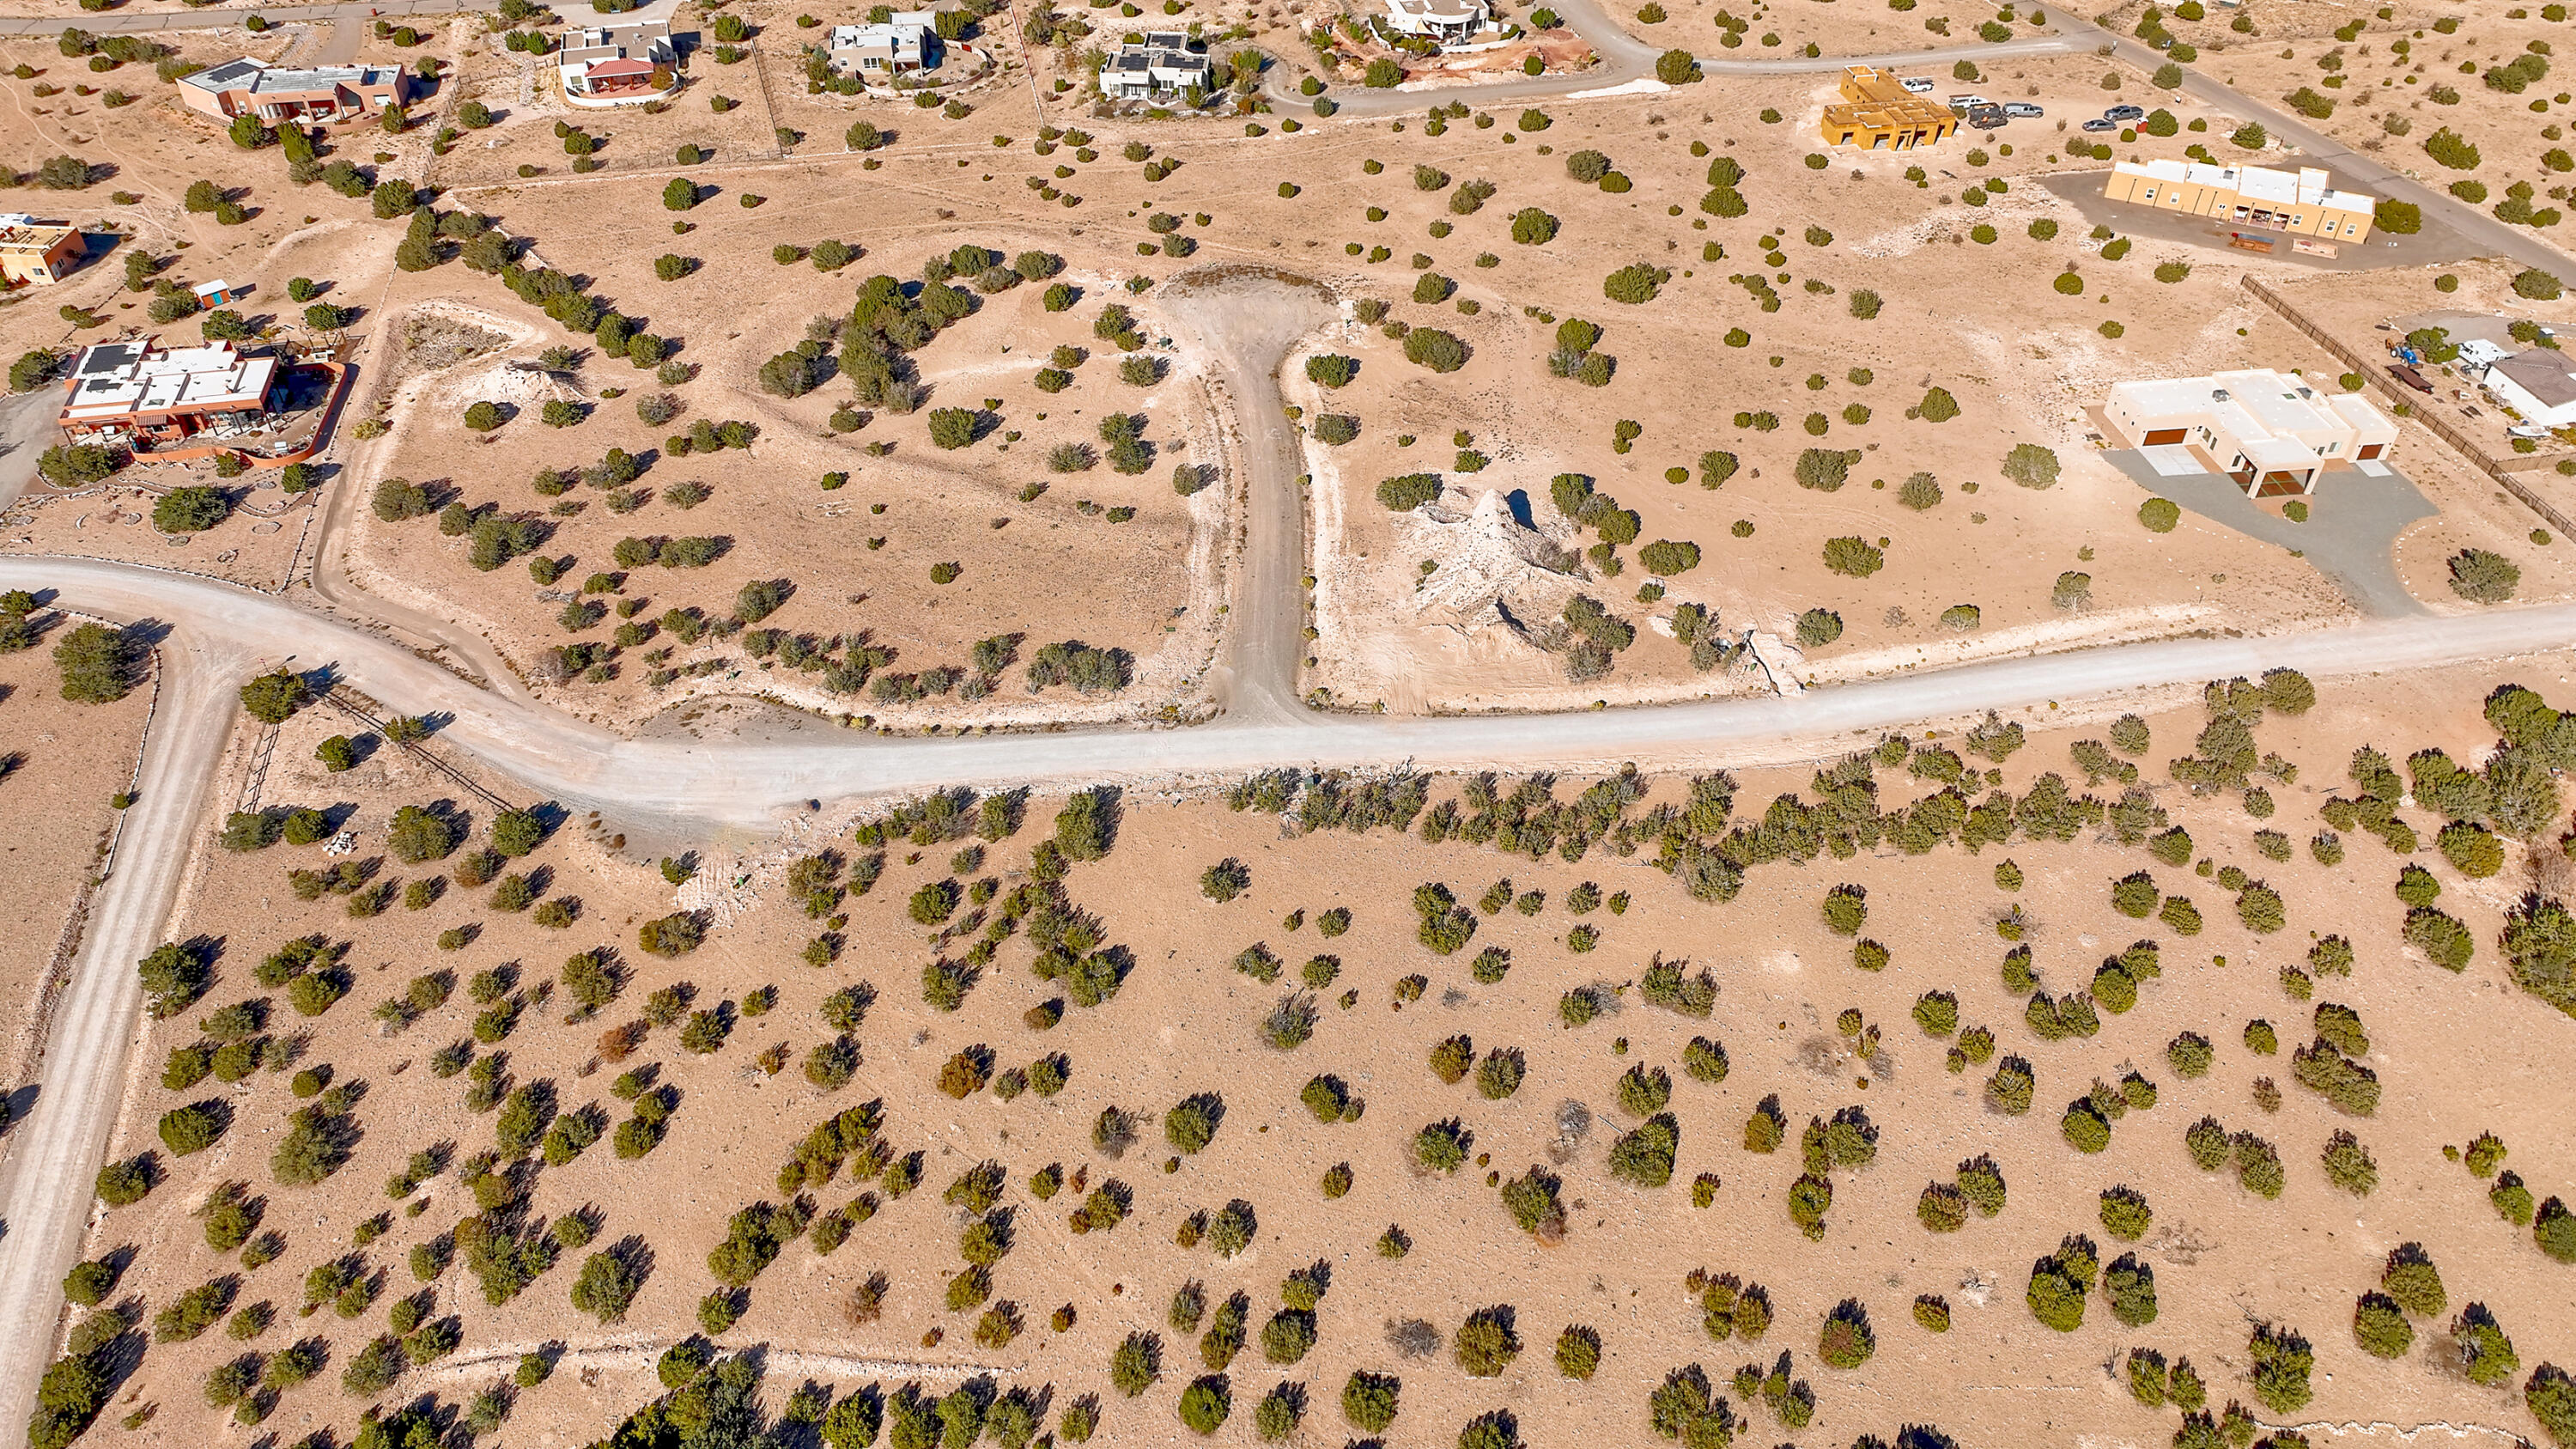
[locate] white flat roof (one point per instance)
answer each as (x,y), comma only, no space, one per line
(2355,409)
(2256,407)
(117,378)
(2254,183)
(2265,452)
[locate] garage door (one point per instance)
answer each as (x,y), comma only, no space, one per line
(2156,436)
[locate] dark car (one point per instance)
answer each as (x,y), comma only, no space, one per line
(2124,113)
(1986,118)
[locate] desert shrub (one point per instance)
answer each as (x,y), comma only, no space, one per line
(1485,1344)
(2059,1284)
(2125,1214)
(1847,1340)
(2483,577)
(2486,1354)
(2282,1361)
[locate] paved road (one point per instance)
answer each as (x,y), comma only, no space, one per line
(53,1154)
(26,430)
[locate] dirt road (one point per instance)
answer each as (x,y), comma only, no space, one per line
(1246,323)
(684,784)
(53,1153)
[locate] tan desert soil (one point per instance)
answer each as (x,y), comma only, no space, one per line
(2023,361)
(2456,1054)
(64,762)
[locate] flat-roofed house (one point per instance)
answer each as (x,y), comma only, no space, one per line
(2305,202)
(1449,22)
(275,94)
(2538,383)
(1163,65)
(2273,434)
(146,396)
(901,45)
(38,253)
(1877,113)
(610,63)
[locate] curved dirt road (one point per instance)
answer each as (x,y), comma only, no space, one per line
(686,784)
(221,631)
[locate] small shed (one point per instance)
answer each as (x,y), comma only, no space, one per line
(217,294)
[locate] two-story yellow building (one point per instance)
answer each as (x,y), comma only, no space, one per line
(1877,113)
(38,253)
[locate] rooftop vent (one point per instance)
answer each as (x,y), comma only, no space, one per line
(2218,394)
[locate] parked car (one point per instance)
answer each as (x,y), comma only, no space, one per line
(2124,113)
(2023,110)
(2098,124)
(1986,118)
(1965,104)
(1920,85)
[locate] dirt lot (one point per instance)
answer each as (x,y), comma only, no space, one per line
(2021,361)
(2453,1049)
(1768,30)
(63,762)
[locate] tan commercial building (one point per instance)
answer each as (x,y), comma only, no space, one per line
(38,253)
(2304,203)
(1877,113)
(2272,434)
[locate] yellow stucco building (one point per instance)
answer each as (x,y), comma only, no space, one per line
(2304,202)
(1877,113)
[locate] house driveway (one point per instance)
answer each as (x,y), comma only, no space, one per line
(2354,519)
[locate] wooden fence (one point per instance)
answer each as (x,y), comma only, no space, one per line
(2406,402)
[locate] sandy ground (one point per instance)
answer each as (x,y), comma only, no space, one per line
(2357,305)
(1776,30)
(2222,1257)
(1151,584)
(64,761)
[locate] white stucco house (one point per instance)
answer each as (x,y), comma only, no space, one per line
(1449,22)
(905,42)
(1164,65)
(2272,434)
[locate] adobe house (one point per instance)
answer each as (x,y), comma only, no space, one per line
(38,253)
(1877,113)
(148,397)
(2273,435)
(323,95)
(609,64)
